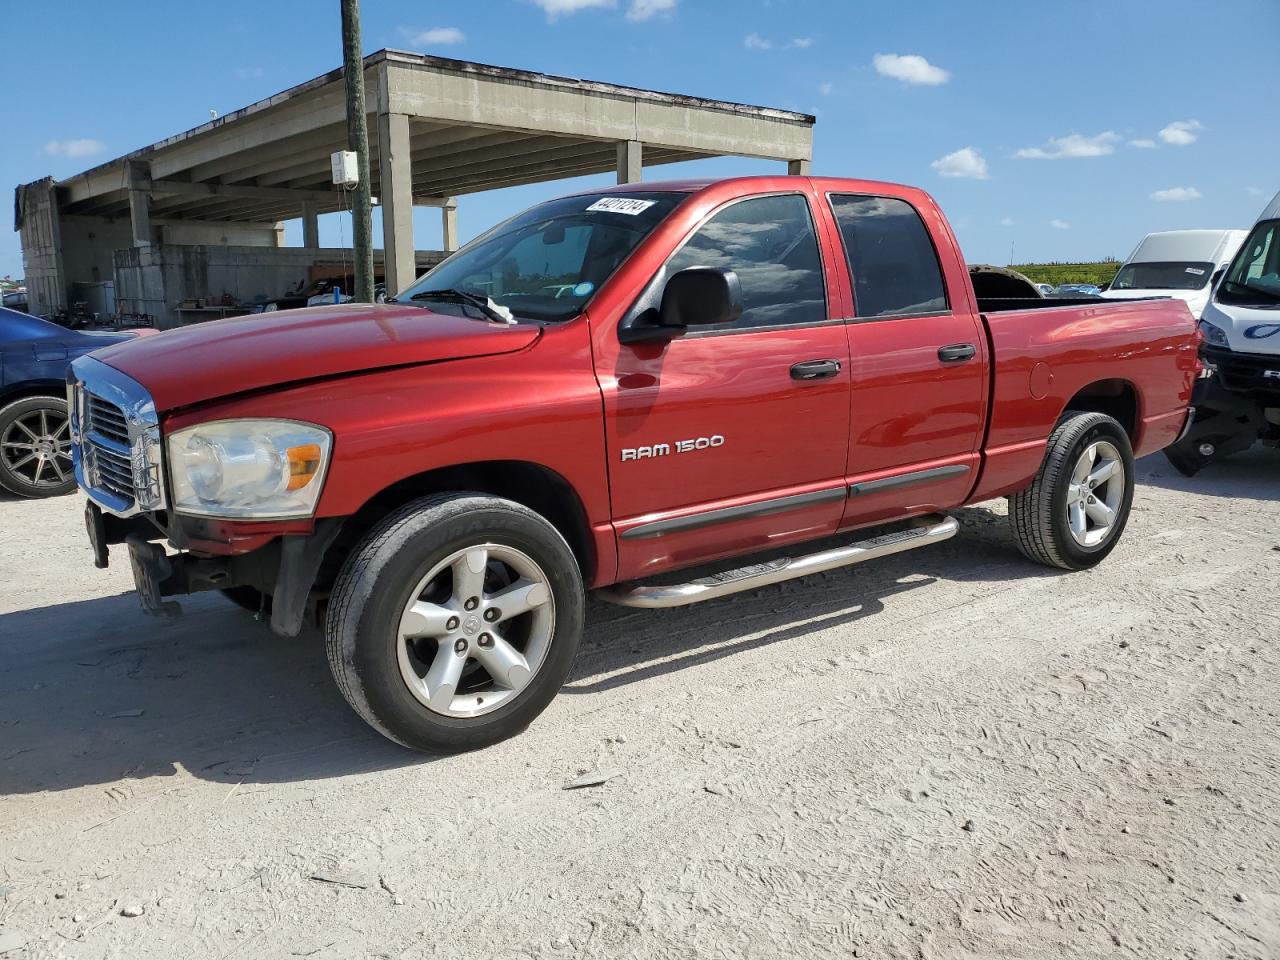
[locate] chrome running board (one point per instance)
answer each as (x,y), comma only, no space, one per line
(933,528)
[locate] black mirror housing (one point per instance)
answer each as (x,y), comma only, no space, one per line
(701,295)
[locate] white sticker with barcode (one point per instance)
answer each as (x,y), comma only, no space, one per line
(625,205)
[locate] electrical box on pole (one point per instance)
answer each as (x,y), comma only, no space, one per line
(346,169)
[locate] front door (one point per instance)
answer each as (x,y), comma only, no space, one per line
(723,441)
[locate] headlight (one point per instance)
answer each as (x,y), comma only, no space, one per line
(1214,334)
(249,469)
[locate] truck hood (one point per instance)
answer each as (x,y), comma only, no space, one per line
(224,357)
(1249,329)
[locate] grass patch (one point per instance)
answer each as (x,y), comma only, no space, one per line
(1098,273)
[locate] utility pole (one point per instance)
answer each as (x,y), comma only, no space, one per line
(358,141)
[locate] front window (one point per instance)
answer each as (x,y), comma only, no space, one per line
(1253,279)
(546,263)
(1163,275)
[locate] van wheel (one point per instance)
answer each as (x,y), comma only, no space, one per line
(1072,515)
(455,621)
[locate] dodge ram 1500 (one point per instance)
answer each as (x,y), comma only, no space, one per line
(606,388)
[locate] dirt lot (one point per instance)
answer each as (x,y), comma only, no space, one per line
(947,754)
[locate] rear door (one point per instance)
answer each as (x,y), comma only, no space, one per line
(734,439)
(918,354)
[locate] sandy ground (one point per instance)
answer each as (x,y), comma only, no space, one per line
(950,753)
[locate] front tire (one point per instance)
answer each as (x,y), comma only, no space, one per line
(1075,510)
(455,621)
(35,447)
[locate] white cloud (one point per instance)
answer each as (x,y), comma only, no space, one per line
(1006,221)
(1071,146)
(966,163)
(1143,144)
(1253,191)
(754,41)
(1180,133)
(1176,194)
(1059,224)
(84,147)
(800,43)
(641,10)
(827,89)
(433,36)
(556,8)
(910,68)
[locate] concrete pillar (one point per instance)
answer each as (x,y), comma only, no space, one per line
(397,201)
(629,161)
(798,168)
(449,225)
(310,224)
(140,203)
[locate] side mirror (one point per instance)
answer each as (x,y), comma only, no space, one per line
(1217,275)
(696,296)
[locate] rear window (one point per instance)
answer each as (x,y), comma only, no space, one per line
(1163,275)
(894,267)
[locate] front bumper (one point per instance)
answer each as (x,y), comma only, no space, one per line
(285,567)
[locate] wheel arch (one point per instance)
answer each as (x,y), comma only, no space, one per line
(24,390)
(533,485)
(1116,397)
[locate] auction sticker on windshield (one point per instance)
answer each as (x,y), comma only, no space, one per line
(621,205)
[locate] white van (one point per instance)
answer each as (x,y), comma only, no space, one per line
(1238,403)
(1176,263)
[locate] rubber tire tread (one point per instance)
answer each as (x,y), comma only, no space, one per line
(1031,511)
(356,582)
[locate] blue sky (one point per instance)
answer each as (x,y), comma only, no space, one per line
(1069,129)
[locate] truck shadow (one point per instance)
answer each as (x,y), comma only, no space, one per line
(93,692)
(1252,475)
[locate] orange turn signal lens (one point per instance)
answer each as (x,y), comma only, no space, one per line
(304,464)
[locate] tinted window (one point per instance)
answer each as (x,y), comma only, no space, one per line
(770,243)
(1254,277)
(895,269)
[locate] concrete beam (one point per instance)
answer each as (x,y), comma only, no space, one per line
(629,161)
(396,174)
(310,225)
(239,192)
(798,168)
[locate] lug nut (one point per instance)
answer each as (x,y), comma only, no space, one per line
(492,614)
(485,640)
(451,623)
(460,646)
(472,603)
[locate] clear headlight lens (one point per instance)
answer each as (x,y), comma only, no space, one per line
(249,469)
(1214,334)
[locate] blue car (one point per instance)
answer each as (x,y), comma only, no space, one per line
(35,435)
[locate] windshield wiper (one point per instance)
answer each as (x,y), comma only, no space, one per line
(486,306)
(1251,288)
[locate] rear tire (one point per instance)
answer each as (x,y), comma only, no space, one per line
(1075,510)
(35,447)
(455,621)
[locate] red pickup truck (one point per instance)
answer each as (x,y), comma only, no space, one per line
(608,387)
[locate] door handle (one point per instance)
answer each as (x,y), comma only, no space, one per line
(957,352)
(815,369)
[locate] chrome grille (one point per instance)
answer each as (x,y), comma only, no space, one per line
(117,439)
(107,419)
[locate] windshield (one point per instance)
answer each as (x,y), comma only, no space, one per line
(1253,279)
(545,264)
(1163,275)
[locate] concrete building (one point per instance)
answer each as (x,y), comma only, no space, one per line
(199,215)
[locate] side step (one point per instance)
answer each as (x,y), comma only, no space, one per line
(933,528)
